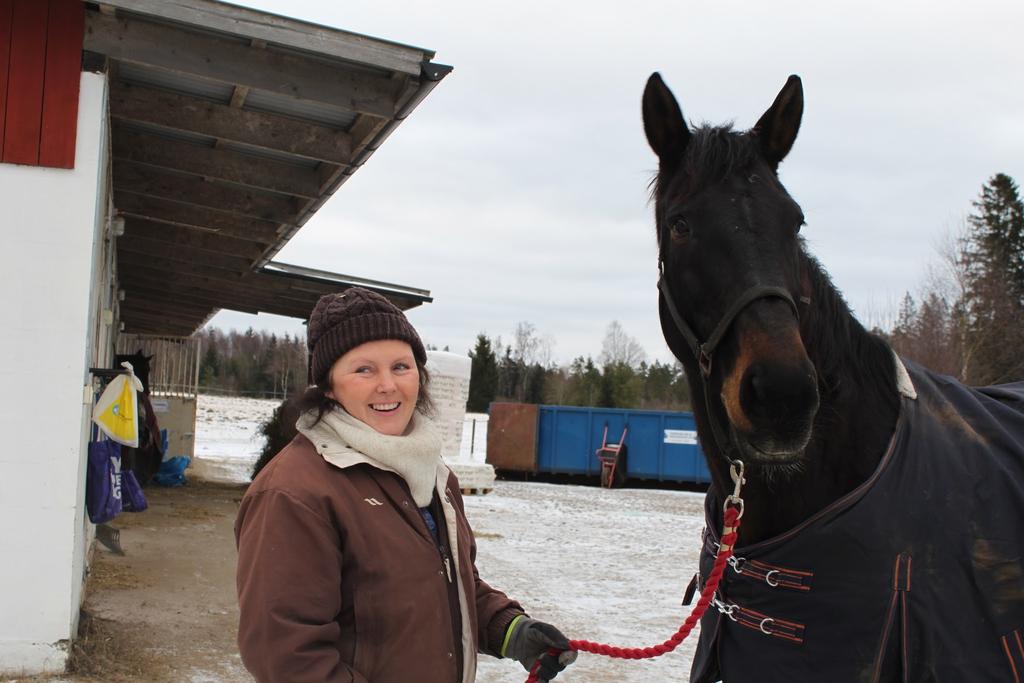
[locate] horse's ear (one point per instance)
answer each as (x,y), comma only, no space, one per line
(777,127)
(664,125)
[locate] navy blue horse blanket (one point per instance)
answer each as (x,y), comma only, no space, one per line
(916,575)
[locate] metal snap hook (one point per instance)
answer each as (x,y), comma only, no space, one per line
(764,622)
(726,609)
(736,471)
(768,578)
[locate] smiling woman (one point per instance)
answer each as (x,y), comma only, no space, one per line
(355,558)
(377,383)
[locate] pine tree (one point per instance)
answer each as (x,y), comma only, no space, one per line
(997,233)
(621,387)
(535,383)
(993,263)
(483,380)
(209,367)
(657,392)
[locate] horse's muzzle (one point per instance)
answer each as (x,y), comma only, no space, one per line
(778,403)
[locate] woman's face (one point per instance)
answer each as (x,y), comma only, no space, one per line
(378,383)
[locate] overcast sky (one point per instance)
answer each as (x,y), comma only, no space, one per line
(517,191)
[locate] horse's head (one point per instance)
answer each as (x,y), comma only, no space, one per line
(730,256)
(140,365)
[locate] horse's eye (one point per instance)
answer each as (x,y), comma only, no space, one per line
(679,228)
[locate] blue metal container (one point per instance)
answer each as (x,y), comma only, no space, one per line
(660,445)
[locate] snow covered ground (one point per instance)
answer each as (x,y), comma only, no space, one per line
(603,565)
(227,437)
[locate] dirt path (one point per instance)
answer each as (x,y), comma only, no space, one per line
(165,610)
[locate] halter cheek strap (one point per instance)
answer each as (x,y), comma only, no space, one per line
(704,352)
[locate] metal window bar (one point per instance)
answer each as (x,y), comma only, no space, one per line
(174,370)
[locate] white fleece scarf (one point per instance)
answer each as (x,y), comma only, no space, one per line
(343,441)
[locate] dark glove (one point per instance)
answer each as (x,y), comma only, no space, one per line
(530,640)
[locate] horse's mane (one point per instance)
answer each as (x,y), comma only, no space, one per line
(833,335)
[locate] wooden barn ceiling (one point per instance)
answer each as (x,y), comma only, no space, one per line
(229,128)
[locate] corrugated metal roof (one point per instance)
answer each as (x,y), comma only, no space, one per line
(175,81)
(314,274)
(171,133)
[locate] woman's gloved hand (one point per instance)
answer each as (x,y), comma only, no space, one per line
(528,640)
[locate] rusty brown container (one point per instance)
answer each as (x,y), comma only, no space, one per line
(512,437)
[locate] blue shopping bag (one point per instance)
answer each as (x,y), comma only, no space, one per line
(103,481)
(132,497)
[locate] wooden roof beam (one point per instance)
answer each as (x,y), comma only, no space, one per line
(160,283)
(218,164)
(228,122)
(156,251)
(148,329)
(234,199)
(212,281)
(175,236)
(237,63)
(133,327)
(161,292)
(166,307)
(159,320)
(237,300)
(178,260)
(198,219)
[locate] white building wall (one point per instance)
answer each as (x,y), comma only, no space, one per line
(52,221)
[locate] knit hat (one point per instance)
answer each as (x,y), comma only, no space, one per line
(341,322)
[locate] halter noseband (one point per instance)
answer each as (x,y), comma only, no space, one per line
(704,352)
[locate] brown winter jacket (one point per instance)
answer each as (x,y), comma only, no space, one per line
(339,579)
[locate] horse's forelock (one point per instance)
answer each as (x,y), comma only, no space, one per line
(712,154)
(715,153)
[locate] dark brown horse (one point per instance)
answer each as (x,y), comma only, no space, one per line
(858,559)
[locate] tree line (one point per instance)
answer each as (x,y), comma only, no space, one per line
(621,377)
(252,363)
(257,363)
(967,321)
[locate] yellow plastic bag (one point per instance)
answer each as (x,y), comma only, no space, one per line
(116,412)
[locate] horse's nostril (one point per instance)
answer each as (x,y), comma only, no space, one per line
(778,393)
(760,387)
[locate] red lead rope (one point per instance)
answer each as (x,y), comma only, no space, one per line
(730,525)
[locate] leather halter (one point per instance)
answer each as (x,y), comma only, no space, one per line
(703,352)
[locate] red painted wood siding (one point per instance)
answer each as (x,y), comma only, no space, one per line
(65,29)
(6,13)
(39,79)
